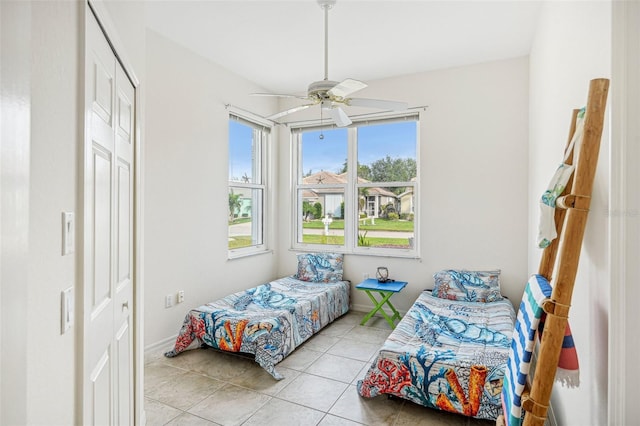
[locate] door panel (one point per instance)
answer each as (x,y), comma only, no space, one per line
(124,224)
(101,283)
(124,386)
(101,390)
(108,236)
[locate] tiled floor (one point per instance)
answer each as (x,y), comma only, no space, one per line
(205,387)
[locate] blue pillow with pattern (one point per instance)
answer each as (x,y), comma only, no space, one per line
(320,267)
(467,286)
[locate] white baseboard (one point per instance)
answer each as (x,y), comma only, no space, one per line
(164,343)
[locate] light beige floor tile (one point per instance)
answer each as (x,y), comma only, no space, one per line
(313,391)
(320,343)
(185,390)
(156,374)
(336,329)
(213,363)
(331,420)
(259,380)
(378,321)
(349,348)
(186,419)
(158,413)
(368,334)
(300,359)
(362,373)
(284,413)
(415,415)
(230,405)
(371,411)
(335,367)
(351,317)
(154,355)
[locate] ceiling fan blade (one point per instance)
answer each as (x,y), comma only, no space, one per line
(378,103)
(289,111)
(346,87)
(339,116)
(279,95)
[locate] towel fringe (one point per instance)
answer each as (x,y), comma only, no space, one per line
(568,378)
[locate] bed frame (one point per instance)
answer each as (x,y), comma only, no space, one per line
(559,262)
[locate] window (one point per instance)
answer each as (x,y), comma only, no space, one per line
(247,185)
(356,187)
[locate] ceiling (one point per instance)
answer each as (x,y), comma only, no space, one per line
(280,44)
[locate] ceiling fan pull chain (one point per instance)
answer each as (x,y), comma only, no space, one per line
(321,128)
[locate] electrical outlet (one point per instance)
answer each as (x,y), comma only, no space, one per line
(168,301)
(181,296)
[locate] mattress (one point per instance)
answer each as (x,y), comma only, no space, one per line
(446,354)
(268,321)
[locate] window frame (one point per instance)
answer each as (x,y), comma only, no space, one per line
(264,129)
(351,211)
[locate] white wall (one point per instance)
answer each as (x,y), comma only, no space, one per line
(55,124)
(15,98)
(572,46)
(47,47)
(473,177)
(186,175)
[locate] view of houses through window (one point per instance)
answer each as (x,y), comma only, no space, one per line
(356,186)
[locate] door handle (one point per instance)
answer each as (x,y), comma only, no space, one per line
(125,305)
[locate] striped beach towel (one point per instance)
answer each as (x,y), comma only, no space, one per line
(522,345)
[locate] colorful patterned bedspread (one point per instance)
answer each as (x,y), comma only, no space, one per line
(446,354)
(268,321)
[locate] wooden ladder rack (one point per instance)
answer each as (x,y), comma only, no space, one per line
(559,262)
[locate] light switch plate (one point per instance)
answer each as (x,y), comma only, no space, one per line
(68,233)
(66,310)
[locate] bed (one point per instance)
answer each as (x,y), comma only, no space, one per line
(269,321)
(450,350)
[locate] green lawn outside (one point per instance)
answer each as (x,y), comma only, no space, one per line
(240,220)
(239,242)
(380,225)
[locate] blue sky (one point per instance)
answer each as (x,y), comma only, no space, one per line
(397,140)
(240,136)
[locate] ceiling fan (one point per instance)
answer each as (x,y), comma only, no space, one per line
(331,95)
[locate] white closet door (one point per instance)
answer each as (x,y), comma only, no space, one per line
(108,236)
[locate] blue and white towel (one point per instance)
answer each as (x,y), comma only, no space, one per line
(527,320)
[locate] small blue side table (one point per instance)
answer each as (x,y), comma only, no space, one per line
(385,290)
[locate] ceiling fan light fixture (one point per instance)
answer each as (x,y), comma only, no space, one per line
(319,89)
(332,94)
(326,4)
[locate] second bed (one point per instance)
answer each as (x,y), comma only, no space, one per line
(446,354)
